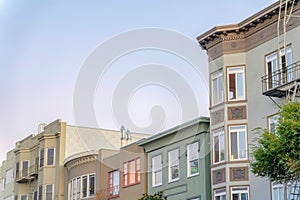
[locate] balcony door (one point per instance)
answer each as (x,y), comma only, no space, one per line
(272,71)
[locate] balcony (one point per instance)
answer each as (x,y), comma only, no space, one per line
(108,193)
(23,177)
(280,82)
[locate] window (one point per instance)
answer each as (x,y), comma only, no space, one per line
(220,194)
(49,191)
(78,187)
(74,189)
(156,170)
(35,195)
(9,176)
(173,157)
(271,67)
(240,193)
(285,62)
(236,83)
(193,159)
(272,123)
(25,168)
(17,169)
(131,172)
(42,158)
(219,146)
(84,186)
(50,156)
(16,197)
(40,192)
(113,182)
(278,191)
(2,184)
(91,185)
(23,197)
(238,142)
(217,88)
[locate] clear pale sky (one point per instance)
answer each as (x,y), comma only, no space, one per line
(43,45)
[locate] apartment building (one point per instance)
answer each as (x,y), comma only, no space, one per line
(178,161)
(85,168)
(7,177)
(254,66)
(59,162)
(124,174)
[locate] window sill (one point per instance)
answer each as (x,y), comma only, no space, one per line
(191,176)
(174,180)
(158,185)
(133,184)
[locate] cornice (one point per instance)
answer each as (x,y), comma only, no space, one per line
(81,161)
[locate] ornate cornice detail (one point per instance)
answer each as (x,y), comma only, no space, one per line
(81,161)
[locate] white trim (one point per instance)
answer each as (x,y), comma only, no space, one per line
(188,160)
(219,75)
(154,171)
(47,156)
(236,70)
(238,146)
(219,132)
(174,164)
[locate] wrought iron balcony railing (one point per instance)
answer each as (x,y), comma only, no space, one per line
(278,82)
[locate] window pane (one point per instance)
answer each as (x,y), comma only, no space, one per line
(132,172)
(235,197)
(92,185)
(215,91)
(156,162)
(193,151)
(50,157)
(232,92)
(78,187)
(174,172)
(42,158)
(194,166)
(216,149)
(84,186)
(158,178)
(48,192)
(240,85)
(242,144)
(25,168)
(222,146)
(40,192)
(233,137)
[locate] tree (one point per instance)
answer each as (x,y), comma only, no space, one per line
(277,155)
(156,196)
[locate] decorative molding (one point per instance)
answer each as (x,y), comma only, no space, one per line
(237,113)
(239,174)
(81,161)
(217,117)
(219,176)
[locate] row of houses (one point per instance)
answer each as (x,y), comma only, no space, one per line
(254,66)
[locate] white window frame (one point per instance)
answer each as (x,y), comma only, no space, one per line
(52,192)
(158,170)
(219,133)
(219,193)
(240,190)
(74,189)
(40,195)
(236,70)
(174,164)
(241,128)
(89,176)
(217,76)
(48,156)
(114,185)
(189,160)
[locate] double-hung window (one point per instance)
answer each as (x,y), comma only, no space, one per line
(25,168)
(131,172)
(236,83)
(240,193)
(272,123)
(217,88)
(219,146)
(50,156)
(40,192)
(238,142)
(49,192)
(114,182)
(42,158)
(156,170)
(193,159)
(9,176)
(173,158)
(220,194)
(92,185)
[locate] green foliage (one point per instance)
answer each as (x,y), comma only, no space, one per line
(156,196)
(277,155)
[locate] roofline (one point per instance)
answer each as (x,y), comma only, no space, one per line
(172,130)
(235,27)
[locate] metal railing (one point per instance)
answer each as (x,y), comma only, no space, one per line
(108,193)
(281,77)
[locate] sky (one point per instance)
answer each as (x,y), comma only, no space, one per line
(46,47)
